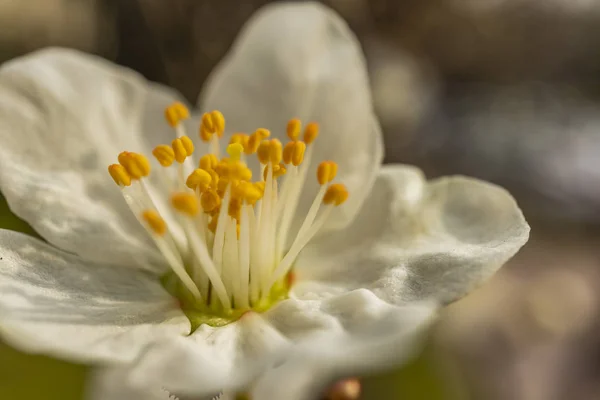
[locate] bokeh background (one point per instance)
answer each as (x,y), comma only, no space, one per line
(504,90)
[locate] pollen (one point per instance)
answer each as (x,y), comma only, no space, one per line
(182,148)
(278,170)
(270,151)
(176,113)
(336,194)
(155,222)
(241,138)
(293,129)
(210,201)
(311,132)
(326,172)
(293,152)
(208,162)
(212,123)
(185,203)
(255,139)
(235,242)
(248,192)
(199,179)
(137,165)
(119,174)
(164,154)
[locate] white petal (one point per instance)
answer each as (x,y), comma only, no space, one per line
(211,359)
(302,60)
(55,303)
(304,372)
(113,384)
(234,356)
(415,240)
(64,117)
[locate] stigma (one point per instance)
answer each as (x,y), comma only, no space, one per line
(238,246)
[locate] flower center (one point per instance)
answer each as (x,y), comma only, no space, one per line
(224,235)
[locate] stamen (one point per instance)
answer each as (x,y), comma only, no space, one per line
(255,139)
(293,152)
(293,129)
(199,179)
(236,230)
(185,203)
(208,162)
(210,201)
(119,175)
(311,132)
(137,165)
(336,194)
(176,113)
(182,148)
(241,138)
(155,222)
(326,172)
(164,154)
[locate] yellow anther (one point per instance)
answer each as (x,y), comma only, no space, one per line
(199,179)
(208,161)
(239,171)
(278,170)
(185,203)
(164,154)
(235,151)
(176,113)
(336,194)
(212,123)
(137,165)
(241,138)
(311,132)
(235,206)
(123,156)
(293,128)
(218,122)
(119,174)
(326,172)
(270,151)
(182,148)
(210,201)
(155,222)
(247,192)
(263,152)
(205,134)
(255,139)
(187,144)
(222,168)
(275,151)
(262,133)
(260,185)
(293,152)
(207,123)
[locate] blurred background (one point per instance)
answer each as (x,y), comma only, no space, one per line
(504,90)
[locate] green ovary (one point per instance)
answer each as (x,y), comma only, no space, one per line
(199,312)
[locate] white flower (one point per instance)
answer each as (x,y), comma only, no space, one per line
(96,291)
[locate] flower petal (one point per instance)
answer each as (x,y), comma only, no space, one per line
(64,117)
(304,372)
(58,304)
(234,356)
(415,240)
(302,61)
